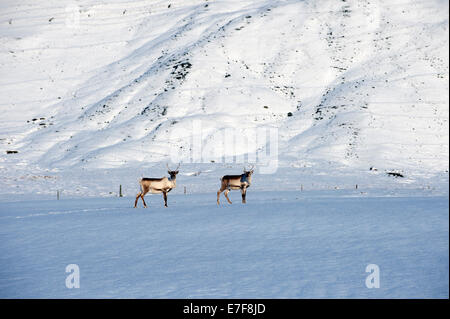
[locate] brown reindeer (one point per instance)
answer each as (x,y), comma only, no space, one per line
(158,185)
(230,182)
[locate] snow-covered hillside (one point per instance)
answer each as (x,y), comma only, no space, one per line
(349,85)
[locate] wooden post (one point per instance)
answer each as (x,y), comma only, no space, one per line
(120,191)
(57,194)
(356,187)
(184,189)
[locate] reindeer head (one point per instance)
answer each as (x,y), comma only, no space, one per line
(248,172)
(172,173)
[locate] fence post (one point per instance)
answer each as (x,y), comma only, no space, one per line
(120,191)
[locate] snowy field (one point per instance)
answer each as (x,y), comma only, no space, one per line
(281,244)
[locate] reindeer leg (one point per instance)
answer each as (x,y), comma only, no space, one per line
(142,197)
(243,192)
(226,195)
(165,198)
(222,188)
(137,198)
(218,196)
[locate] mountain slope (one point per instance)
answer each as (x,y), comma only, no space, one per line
(117,84)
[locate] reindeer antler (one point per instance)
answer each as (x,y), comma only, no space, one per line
(174,169)
(246,170)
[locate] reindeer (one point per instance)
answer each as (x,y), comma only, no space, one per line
(230,182)
(158,185)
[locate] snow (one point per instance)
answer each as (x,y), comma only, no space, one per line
(278,245)
(121,85)
(95,95)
